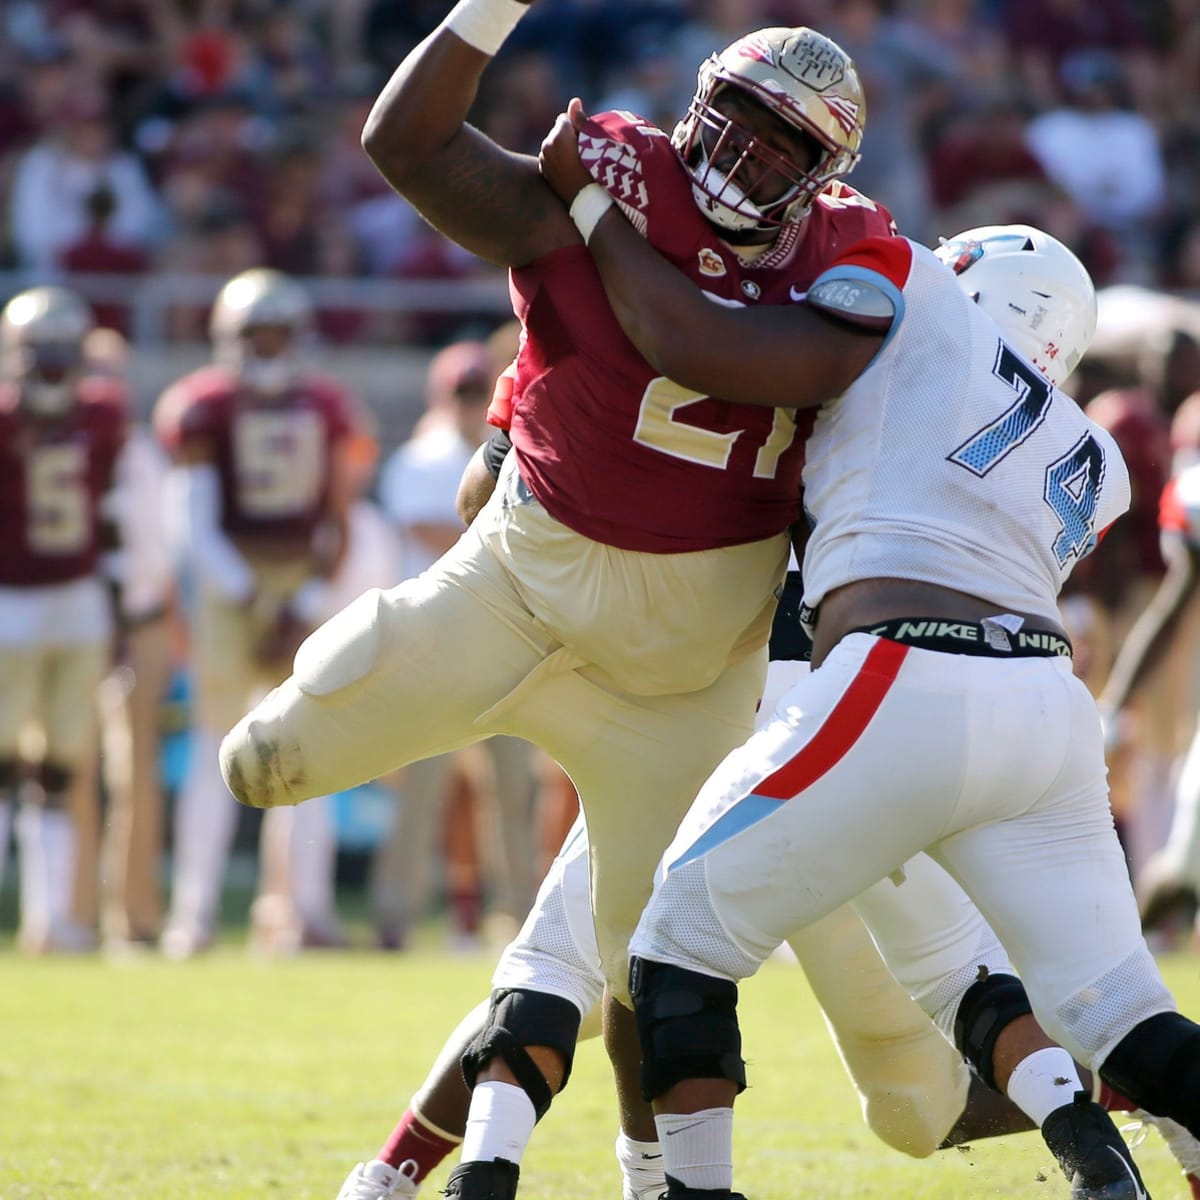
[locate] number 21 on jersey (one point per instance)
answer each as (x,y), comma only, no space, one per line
(658,428)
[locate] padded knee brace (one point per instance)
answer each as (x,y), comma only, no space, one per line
(987,1006)
(1157,1065)
(687,1026)
(518,1018)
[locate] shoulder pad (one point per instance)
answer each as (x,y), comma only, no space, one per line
(856,301)
(636,164)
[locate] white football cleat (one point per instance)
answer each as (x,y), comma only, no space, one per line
(376,1180)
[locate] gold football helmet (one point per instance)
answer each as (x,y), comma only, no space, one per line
(804,78)
(259,322)
(42,332)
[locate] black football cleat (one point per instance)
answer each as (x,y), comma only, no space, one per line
(495,1180)
(1092,1153)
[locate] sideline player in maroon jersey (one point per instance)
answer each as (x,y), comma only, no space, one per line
(263,441)
(60,437)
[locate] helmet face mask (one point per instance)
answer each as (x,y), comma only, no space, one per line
(1033,287)
(260,321)
(807,82)
(42,332)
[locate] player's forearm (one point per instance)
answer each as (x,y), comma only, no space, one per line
(488,200)
(424,104)
(776,356)
(477,485)
(422,107)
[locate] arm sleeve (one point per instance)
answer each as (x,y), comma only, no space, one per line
(495,451)
(213,556)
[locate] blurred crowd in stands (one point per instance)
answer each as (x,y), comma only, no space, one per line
(146,138)
(214,135)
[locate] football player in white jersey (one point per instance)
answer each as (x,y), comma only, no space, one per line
(952,489)
(915,1090)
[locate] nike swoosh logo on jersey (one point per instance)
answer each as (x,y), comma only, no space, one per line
(796,294)
(1141,1191)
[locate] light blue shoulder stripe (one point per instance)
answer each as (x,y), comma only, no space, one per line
(850,271)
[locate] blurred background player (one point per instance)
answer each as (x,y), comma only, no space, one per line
(262,440)
(481,798)
(119,845)
(1167,880)
(296,905)
(60,436)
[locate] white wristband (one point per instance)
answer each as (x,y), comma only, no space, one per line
(485,24)
(590,204)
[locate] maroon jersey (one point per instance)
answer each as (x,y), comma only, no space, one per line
(1129,554)
(273,458)
(615,451)
(53,476)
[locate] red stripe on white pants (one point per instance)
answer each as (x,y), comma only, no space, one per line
(844,725)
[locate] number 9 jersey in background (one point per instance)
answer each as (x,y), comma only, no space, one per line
(949,434)
(273,456)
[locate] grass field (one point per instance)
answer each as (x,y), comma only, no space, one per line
(230,1077)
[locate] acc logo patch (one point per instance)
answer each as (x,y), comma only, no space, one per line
(711,263)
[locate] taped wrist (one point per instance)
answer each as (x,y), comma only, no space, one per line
(687,1025)
(485,24)
(590,204)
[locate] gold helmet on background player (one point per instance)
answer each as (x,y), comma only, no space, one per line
(260,322)
(42,334)
(1033,287)
(804,78)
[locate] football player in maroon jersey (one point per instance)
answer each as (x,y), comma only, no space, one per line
(612,602)
(262,440)
(60,436)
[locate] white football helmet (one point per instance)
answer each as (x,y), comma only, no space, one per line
(1033,287)
(259,299)
(42,332)
(804,78)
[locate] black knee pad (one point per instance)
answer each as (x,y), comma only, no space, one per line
(519,1018)
(1157,1065)
(687,1025)
(987,1006)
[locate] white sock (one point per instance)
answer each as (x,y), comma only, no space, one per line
(499,1124)
(698,1147)
(641,1166)
(1044,1081)
(35,908)
(58,850)
(205,821)
(313,854)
